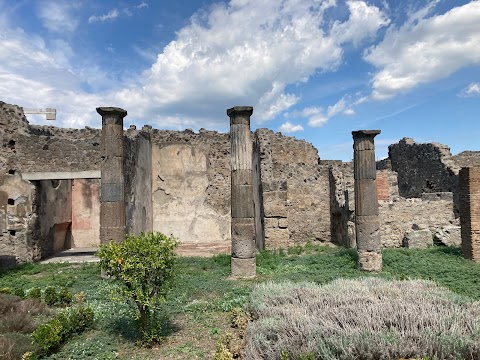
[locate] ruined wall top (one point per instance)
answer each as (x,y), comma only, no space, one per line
(423,167)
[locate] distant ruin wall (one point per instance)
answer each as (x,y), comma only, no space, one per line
(423,168)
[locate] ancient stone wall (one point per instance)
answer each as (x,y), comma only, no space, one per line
(191,185)
(467,159)
(433,211)
(138,181)
(295,188)
(18,242)
(32,148)
(423,168)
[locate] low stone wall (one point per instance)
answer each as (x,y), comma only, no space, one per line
(432,211)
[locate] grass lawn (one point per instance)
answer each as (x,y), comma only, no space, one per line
(197,310)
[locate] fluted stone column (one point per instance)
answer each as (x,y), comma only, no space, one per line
(367,223)
(243,223)
(112,198)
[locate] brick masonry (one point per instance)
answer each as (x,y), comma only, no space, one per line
(470,212)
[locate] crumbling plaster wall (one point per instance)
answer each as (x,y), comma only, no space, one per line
(191,185)
(54,215)
(85,213)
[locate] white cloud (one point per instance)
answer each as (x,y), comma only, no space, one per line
(349,112)
(246,52)
(471,90)
(363,23)
(142,5)
(57,16)
(112,14)
(425,49)
(289,127)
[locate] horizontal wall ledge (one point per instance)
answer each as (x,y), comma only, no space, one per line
(61,175)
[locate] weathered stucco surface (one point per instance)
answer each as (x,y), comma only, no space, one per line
(190,197)
(85,213)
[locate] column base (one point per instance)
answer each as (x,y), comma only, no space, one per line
(243,268)
(369,260)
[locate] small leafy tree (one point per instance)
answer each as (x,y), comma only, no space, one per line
(145,266)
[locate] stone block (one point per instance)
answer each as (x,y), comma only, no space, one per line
(242,201)
(243,238)
(112,214)
(283,223)
(112,140)
(448,235)
(274,204)
(276,238)
(112,192)
(417,239)
(271,223)
(112,170)
(243,268)
(369,261)
(364,165)
(108,234)
(366,202)
(367,229)
(242,177)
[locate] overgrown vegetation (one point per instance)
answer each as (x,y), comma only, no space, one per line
(144,265)
(368,318)
(196,314)
(51,335)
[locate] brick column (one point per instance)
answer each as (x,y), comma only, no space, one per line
(469,179)
(243,224)
(367,223)
(112,198)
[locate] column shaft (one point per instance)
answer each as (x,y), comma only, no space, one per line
(112,198)
(242,205)
(367,223)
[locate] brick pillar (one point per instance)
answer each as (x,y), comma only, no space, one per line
(112,198)
(243,224)
(367,223)
(469,179)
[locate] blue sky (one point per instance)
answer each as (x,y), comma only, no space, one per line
(313,69)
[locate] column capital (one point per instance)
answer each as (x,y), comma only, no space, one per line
(365,134)
(113,111)
(240,115)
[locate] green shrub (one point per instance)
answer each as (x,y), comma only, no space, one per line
(49,336)
(71,321)
(50,296)
(144,266)
(64,296)
(19,292)
(34,293)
